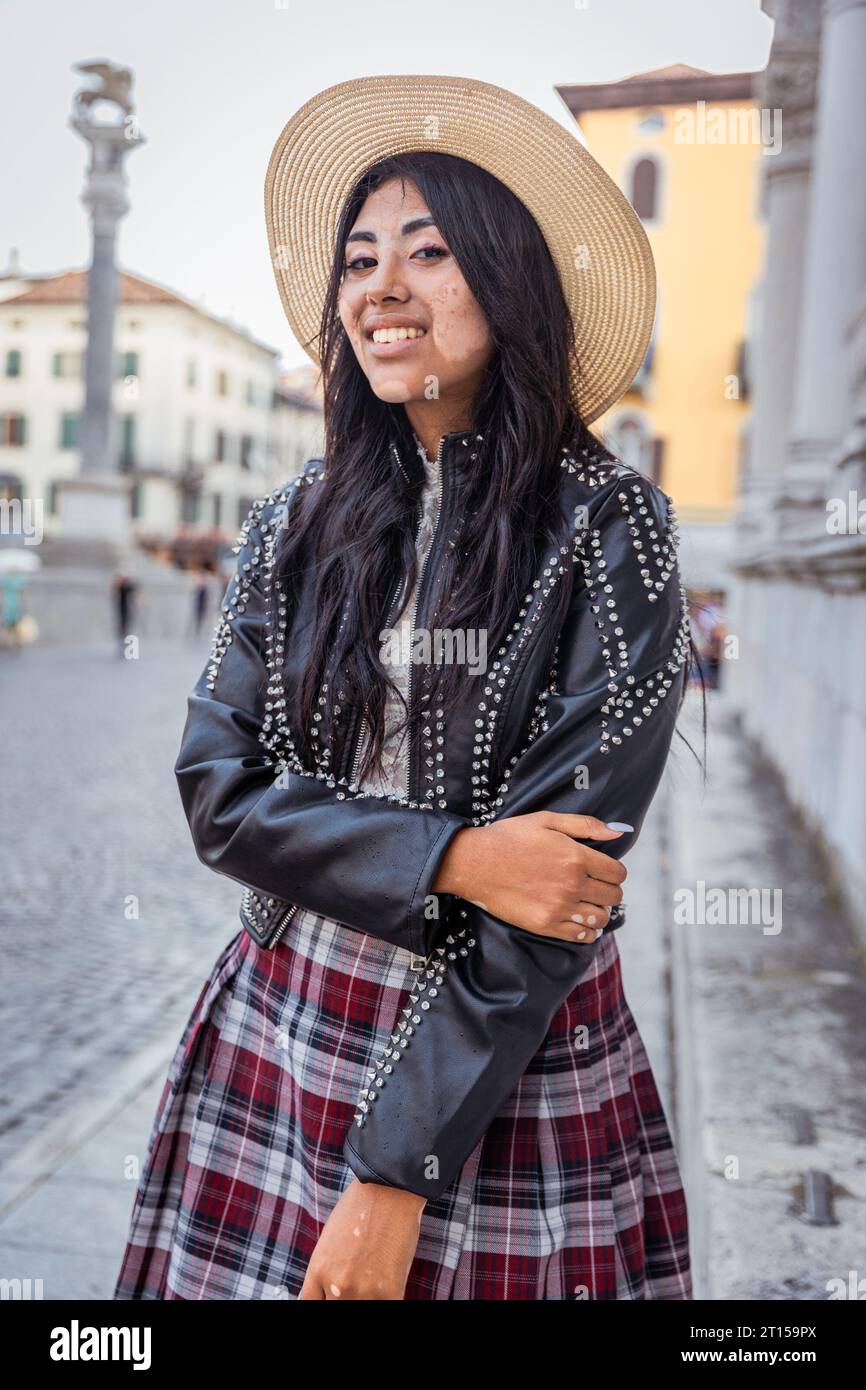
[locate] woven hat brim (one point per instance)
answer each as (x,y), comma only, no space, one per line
(597,242)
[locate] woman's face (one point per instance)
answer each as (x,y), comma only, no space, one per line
(412,320)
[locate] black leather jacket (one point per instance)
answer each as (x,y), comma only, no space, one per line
(579,719)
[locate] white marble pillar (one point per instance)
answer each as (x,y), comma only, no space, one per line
(835,268)
(788,84)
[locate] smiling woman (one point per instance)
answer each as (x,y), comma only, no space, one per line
(494,357)
(413,1073)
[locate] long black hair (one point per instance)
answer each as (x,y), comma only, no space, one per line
(357,526)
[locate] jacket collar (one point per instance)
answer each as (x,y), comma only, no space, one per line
(457,451)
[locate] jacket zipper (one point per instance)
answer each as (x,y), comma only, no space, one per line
(281,927)
(440,483)
(281,924)
(518,666)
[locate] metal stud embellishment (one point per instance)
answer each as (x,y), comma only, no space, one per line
(537,725)
(652,548)
(631,700)
(486,800)
(258,536)
(281,750)
(413,1012)
(592,468)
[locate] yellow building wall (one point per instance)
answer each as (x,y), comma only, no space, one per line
(707,241)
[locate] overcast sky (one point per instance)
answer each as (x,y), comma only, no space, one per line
(216,80)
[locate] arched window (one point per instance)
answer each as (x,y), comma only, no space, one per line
(644,188)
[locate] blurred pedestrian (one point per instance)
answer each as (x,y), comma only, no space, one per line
(124,589)
(14,586)
(709,623)
(200,598)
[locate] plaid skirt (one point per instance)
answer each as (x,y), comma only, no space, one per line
(573,1192)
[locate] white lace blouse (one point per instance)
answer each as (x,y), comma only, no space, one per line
(394,760)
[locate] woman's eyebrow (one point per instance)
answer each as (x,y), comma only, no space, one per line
(407,229)
(416,223)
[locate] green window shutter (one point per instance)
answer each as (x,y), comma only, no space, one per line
(69,425)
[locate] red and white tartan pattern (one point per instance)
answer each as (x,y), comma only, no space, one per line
(573,1192)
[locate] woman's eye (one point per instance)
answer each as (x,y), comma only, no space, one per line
(360,263)
(434,252)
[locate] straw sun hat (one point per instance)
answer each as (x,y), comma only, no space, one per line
(596,239)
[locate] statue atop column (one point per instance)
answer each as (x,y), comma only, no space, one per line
(116,86)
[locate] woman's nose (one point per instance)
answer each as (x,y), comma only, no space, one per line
(386,281)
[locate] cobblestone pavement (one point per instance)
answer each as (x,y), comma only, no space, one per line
(91,820)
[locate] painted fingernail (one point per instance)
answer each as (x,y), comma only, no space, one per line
(591,921)
(619,825)
(578,919)
(581,935)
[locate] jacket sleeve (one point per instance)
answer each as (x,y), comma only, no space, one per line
(366,862)
(603,730)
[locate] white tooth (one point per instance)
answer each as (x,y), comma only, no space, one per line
(396,335)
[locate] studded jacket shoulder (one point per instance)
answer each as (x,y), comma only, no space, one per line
(575,719)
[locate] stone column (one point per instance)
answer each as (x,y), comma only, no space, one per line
(788,84)
(835,268)
(95,506)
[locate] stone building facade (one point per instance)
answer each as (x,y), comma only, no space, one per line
(797,667)
(204,421)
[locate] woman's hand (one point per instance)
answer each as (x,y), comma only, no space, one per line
(367,1245)
(528,870)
